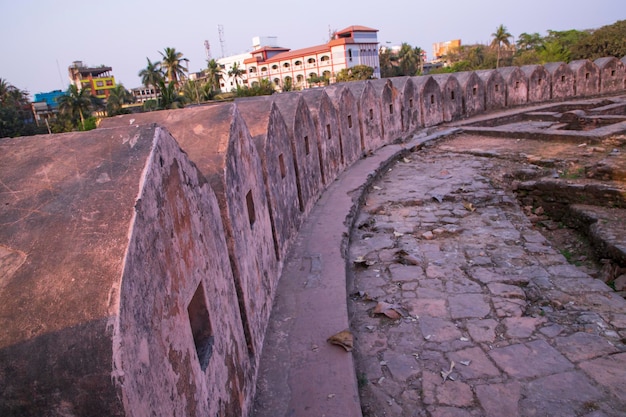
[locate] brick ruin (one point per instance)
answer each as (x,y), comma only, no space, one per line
(139,261)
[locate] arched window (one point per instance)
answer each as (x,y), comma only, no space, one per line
(286,65)
(252,69)
(325,58)
(311,60)
(299,78)
(274,67)
(263,69)
(326,74)
(298,63)
(277,81)
(312,75)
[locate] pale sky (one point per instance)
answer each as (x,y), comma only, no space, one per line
(39,39)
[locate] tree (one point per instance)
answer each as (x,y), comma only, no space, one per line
(16,116)
(527,41)
(387,69)
(236,73)
(355,73)
(408,60)
(172,65)
(500,37)
(118,96)
(214,75)
(76,103)
(151,75)
(608,40)
(170,99)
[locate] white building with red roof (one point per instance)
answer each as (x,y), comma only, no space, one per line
(307,67)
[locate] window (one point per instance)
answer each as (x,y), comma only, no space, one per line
(274,67)
(391,109)
(612,73)
(350,54)
(497,88)
(250,205)
(432,99)
(349,122)
(328,134)
(586,76)
(281,165)
(562,78)
(474,91)
(371,114)
(286,65)
(307,149)
(325,58)
(516,85)
(539,81)
(99,83)
(200,324)
(311,60)
(109,82)
(299,78)
(451,95)
(298,63)
(263,69)
(410,103)
(252,69)
(277,81)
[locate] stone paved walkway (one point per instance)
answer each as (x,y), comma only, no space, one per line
(460,308)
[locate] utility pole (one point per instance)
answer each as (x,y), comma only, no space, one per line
(207,49)
(220,31)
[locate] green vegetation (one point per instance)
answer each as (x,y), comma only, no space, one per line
(407,61)
(16,116)
(356,73)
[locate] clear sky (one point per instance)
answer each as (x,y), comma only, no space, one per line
(39,39)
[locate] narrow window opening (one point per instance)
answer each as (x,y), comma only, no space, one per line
(432,99)
(349,122)
(539,81)
(497,88)
(586,76)
(474,90)
(328,132)
(200,323)
(371,114)
(307,149)
(250,205)
(452,95)
(612,73)
(281,164)
(516,85)
(562,78)
(391,109)
(411,103)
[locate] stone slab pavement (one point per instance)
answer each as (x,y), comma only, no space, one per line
(461,308)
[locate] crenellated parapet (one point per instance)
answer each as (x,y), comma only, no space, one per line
(139,261)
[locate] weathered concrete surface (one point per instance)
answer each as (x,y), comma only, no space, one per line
(390,109)
(562,81)
(451,95)
(273,143)
(612,74)
(304,143)
(370,116)
(587,77)
(327,119)
(473,93)
(495,91)
(538,83)
(179,346)
(349,127)
(411,111)
(67,203)
(516,83)
(428,95)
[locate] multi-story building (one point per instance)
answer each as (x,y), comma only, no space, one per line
(46,105)
(304,68)
(441,49)
(98,80)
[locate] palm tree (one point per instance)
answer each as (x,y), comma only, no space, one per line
(236,72)
(500,37)
(408,60)
(151,75)
(76,102)
(420,62)
(214,74)
(171,64)
(118,96)
(170,99)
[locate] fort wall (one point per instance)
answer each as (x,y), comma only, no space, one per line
(139,261)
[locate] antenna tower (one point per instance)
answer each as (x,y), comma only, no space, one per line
(207,50)
(220,31)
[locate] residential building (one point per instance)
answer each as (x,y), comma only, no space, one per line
(98,80)
(45,105)
(307,67)
(441,49)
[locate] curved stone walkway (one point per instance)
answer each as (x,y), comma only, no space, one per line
(460,308)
